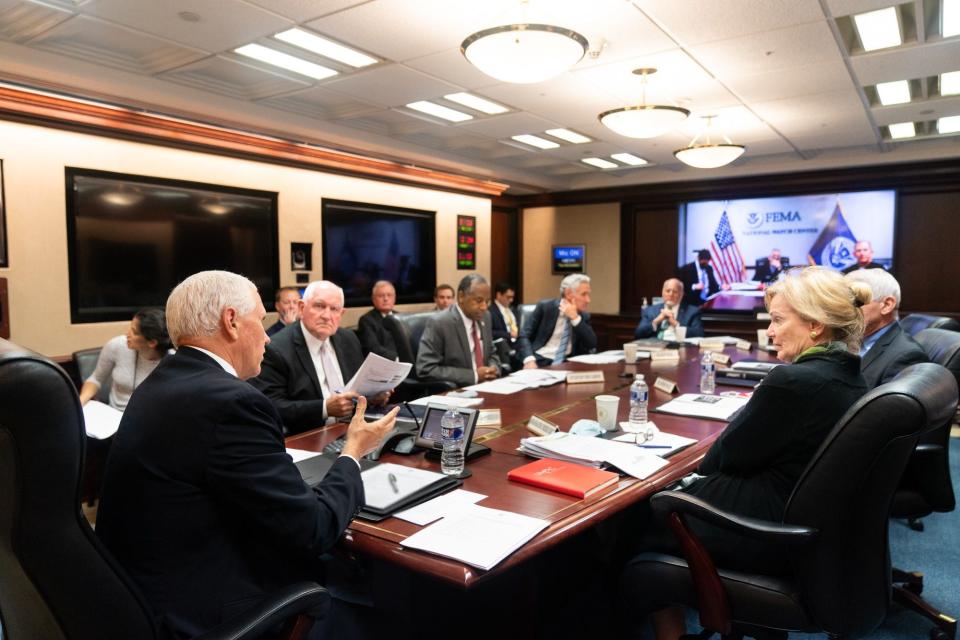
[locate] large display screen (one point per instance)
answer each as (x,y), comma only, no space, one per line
(806,229)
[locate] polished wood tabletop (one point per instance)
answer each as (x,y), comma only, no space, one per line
(562,404)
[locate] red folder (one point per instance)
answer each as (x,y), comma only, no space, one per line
(572,479)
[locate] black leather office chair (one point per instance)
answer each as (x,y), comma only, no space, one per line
(85,361)
(407,331)
(56,580)
(835,526)
(97,451)
(524,311)
(917,322)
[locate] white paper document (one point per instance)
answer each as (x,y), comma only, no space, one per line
(534,378)
(504,386)
(477,536)
(562,445)
(440,507)
(704,406)
(376,375)
(301,454)
(723,339)
(101,420)
(662,444)
(449,401)
(387,483)
(604,357)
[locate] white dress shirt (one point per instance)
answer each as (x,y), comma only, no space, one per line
(549,350)
(468,327)
(314,344)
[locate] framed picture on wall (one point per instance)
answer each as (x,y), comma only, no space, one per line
(3,223)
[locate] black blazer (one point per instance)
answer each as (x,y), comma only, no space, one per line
(289,378)
(375,336)
(891,354)
(765,272)
(856,265)
(688,275)
(543,320)
(498,324)
(202,506)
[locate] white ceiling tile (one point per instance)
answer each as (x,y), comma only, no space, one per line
(223,24)
(392,85)
(229,77)
(452,64)
(797,81)
(570,100)
(837,115)
(917,111)
(507,125)
(907,63)
(22,21)
(851,7)
(303,10)
(321,102)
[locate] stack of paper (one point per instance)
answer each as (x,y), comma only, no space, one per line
(753,365)
(102,420)
(593,451)
(604,357)
(534,378)
(662,444)
(704,406)
(723,339)
(377,374)
(449,401)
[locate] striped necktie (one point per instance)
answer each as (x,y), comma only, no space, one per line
(561,354)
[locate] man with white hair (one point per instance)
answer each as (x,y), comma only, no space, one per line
(201,504)
(887,349)
(559,327)
(307,364)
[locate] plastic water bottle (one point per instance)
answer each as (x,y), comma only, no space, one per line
(708,374)
(451,433)
(639,397)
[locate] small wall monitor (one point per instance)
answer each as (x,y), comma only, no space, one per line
(568,258)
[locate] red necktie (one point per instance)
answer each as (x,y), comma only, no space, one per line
(477,346)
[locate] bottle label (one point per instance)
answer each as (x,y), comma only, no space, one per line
(639,395)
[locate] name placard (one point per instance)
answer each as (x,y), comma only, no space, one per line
(711,346)
(665,385)
(579,377)
(721,358)
(744,345)
(488,418)
(541,426)
(666,355)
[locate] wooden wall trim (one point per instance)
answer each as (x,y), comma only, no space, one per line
(48,110)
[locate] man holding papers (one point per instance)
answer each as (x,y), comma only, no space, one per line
(307,364)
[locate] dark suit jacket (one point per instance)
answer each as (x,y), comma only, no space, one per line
(891,354)
(202,506)
(543,320)
(445,354)
(498,324)
(855,266)
(289,378)
(275,328)
(688,275)
(688,316)
(375,336)
(767,273)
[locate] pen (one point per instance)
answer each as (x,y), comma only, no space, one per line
(393,482)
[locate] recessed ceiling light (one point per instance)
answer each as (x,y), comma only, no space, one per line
(476,102)
(950,83)
(326,48)
(439,111)
(950,124)
(896,92)
(878,29)
(629,158)
(950,18)
(569,136)
(902,130)
(285,61)
(535,141)
(600,163)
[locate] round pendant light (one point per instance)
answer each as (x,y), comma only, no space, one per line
(709,155)
(524,53)
(644,120)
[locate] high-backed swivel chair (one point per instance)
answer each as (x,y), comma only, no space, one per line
(407,330)
(914,323)
(56,579)
(835,527)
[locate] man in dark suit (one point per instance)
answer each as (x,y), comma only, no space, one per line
(377,328)
(661,320)
(201,504)
(287,303)
(559,327)
(770,267)
(504,318)
(863,252)
(307,364)
(887,349)
(457,345)
(698,280)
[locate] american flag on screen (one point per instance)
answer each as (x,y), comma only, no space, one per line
(726,257)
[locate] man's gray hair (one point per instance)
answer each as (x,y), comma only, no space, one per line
(316,285)
(573,281)
(881,283)
(469,281)
(195,305)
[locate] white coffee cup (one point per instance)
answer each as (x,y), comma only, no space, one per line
(607,407)
(630,352)
(681,333)
(762,338)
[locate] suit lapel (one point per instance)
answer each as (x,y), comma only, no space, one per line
(461,332)
(880,346)
(306,359)
(344,359)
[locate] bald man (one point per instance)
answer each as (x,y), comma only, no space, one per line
(863,252)
(661,320)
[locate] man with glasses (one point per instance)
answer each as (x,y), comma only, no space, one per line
(306,366)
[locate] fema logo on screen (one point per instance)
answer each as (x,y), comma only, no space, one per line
(754,219)
(838,253)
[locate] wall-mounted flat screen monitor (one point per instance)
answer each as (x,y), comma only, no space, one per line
(131,239)
(568,258)
(364,243)
(820,229)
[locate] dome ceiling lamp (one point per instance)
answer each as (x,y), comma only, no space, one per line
(708,154)
(644,120)
(524,53)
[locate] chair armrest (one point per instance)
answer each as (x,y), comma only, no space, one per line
(667,502)
(307,598)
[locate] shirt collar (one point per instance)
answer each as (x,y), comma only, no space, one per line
(313,342)
(220,361)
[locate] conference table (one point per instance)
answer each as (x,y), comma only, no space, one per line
(562,404)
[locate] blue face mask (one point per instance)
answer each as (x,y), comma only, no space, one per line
(586,427)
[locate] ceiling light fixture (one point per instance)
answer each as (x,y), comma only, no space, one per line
(897,92)
(285,61)
(878,29)
(600,163)
(950,124)
(629,159)
(902,130)
(950,18)
(644,120)
(439,111)
(476,102)
(524,53)
(709,155)
(568,136)
(535,141)
(950,83)
(326,48)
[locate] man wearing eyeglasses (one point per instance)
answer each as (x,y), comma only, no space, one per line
(307,364)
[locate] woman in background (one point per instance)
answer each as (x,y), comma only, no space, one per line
(130,358)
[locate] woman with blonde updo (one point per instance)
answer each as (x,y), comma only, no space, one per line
(816,326)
